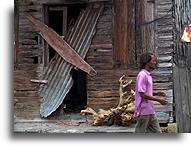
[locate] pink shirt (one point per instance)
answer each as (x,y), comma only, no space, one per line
(144,83)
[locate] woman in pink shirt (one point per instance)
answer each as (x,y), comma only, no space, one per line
(144,108)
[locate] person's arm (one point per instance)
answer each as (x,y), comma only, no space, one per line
(160,93)
(153,98)
(141,85)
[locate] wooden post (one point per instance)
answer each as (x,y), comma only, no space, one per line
(16,31)
(182,67)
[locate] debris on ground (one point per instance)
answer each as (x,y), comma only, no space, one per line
(120,115)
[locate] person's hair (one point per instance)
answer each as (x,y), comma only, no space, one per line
(145,58)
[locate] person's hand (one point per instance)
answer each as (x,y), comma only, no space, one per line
(163,101)
(160,93)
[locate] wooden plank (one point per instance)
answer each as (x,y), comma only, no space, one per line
(26,87)
(110,46)
(124,33)
(104,103)
(16,29)
(61,46)
(26,94)
(39,81)
(106,93)
(182,73)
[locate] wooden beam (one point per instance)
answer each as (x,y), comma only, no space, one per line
(39,81)
(101,46)
(16,29)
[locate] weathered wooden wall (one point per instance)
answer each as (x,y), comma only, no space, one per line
(26,98)
(182,66)
(102,89)
(164,50)
(28,54)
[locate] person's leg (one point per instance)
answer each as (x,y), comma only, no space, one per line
(153,125)
(141,125)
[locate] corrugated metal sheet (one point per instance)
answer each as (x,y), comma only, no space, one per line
(61,46)
(58,71)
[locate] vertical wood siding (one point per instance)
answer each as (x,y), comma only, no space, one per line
(164,50)
(133,34)
(182,66)
(124,33)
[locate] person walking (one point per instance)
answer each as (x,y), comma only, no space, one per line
(147,121)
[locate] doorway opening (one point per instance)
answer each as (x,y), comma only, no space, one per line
(76,99)
(60,21)
(73,12)
(55,18)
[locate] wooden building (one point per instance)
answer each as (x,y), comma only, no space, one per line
(182,67)
(118,31)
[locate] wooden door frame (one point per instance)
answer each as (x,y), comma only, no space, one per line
(16,33)
(46,9)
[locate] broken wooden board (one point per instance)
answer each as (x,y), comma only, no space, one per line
(61,46)
(39,81)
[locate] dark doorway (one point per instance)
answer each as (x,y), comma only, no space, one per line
(55,19)
(73,12)
(76,99)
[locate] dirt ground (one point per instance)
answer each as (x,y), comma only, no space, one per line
(73,123)
(171,128)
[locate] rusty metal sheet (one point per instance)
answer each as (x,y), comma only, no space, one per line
(61,46)
(58,70)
